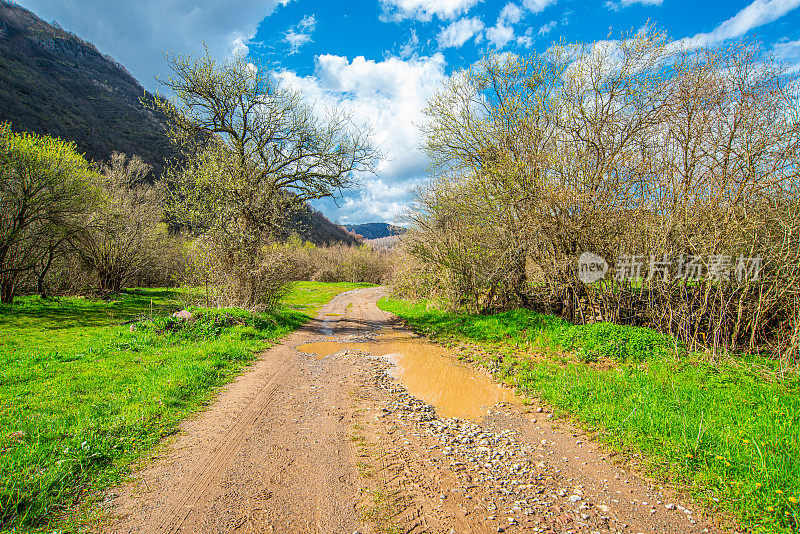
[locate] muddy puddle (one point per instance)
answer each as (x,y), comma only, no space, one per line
(429,372)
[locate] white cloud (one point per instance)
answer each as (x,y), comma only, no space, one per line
(619,4)
(424,10)
(503,31)
(537,6)
(137,33)
(526,39)
(409,48)
(544,29)
(377,200)
(511,14)
(756,14)
(388,96)
(300,34)
(459,32)
(499,35)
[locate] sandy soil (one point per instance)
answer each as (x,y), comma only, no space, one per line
(302,443)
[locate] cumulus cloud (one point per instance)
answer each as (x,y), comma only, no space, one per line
(510,14)
(756,14)
(388,96)
(503,31)
(537,6)
(424,10)
(137,33)
(300,34)
(499,35)
(459,32)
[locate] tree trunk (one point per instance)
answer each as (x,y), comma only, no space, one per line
(110,281)
(40,287)
(7,290)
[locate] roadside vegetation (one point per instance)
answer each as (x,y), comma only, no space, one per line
(677,167)
(725,432)
(676,170)
(89,385)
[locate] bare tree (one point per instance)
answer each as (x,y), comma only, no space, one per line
(254,150)
(261,143)
(125,235)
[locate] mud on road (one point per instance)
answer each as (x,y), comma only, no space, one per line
(325,439)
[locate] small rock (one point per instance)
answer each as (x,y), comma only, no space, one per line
(575,498)
(183,315)
(670,506)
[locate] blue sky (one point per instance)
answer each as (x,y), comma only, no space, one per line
(381,60)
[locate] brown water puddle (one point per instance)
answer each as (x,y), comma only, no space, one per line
(429,372)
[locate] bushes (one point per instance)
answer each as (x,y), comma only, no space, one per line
(249,278)
(257,281)
(604,149)
(125,239)
(339,263)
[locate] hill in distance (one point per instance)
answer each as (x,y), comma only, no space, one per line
(375,230)
(54,83)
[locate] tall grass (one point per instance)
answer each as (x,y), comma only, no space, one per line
(728,433)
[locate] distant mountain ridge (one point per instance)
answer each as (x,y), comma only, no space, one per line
(375,230)
(54,83)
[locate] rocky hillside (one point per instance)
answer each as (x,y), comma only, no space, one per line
(53,82)
(313,226)
(375,230)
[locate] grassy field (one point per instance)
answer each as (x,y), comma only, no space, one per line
(83,396)
(729,433)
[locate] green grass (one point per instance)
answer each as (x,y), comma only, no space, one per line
(82,396)
(729,434)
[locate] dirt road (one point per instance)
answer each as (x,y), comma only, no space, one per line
(329,442)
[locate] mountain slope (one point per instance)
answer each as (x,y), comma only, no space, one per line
(52,82)
(313,226)
(375,230)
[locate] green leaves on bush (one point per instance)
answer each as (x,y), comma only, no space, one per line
(621,343)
